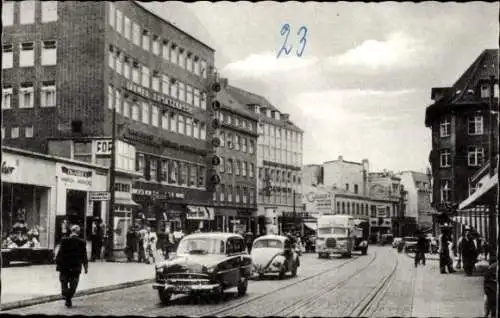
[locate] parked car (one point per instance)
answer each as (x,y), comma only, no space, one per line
(273,254)
(205,263)
(410,244)
(396,241)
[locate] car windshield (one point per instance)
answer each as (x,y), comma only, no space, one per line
(411,239)
(201,245)
(332,230)
(271,243)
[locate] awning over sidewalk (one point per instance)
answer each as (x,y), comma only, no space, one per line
(311,225)
(480,195)
(126,201)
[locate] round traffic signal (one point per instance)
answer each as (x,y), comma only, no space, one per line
(215,179)
(216,160)
(216,87)
(216,142)
(215,123)
(216,105)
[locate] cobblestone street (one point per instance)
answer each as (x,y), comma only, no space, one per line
(383,283)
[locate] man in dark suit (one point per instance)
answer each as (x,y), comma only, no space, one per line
(70,258)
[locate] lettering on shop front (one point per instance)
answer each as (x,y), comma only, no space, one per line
(6,169)
(158,195)
(136,89)
(76,176)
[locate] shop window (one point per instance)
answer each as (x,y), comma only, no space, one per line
(184,174)
(193,175)
(27,11)
(26,95)
(201,176)
(82,151)
(7,56)
(27,55)
(174,172)
(7,97)
(49,53)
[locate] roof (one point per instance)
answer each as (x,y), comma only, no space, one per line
(485,66)
(248,98)
(271,236)
(215,235)
(231,103)
(138,4)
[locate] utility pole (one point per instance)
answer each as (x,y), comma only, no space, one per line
(111,211)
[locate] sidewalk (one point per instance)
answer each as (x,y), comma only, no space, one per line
(447,295)
(30,285)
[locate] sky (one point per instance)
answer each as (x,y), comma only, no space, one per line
(364,79)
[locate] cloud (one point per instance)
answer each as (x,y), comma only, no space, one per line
(398,51)
(261,64)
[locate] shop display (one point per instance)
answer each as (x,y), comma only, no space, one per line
(22,237)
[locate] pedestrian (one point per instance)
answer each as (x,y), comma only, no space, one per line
(467,252)
(96,238)
(141,245)
(484,248)
(71,257)
(420,249)
(490,288)
(445,261)
(131,244)
(178,235)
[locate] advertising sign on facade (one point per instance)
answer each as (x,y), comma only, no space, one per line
(74,178)
(103,147)
(100,196)
(381,212)
(200,213)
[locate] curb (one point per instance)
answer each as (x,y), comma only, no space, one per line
(90,291)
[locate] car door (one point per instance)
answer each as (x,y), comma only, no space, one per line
(230,273)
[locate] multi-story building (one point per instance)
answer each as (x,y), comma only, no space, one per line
(347,175)
(418,206)
(235,198)
(279,163)
(460,120)
(68,65)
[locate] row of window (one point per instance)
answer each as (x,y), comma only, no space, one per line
(125,155)
(276,198)
(15,132)
(475,157)
(346,207)
(27,10)
(152,43)
(284,156)
(161,83)
(27,54)
(237,167)
(235,120)
(152,115)
(225,193)
(172,171)
(278,176)
(280,133)
(475,126)
(27,95)
(237,142)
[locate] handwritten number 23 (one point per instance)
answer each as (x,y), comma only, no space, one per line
(285,30)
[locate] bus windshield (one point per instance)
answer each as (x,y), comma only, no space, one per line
(332,230)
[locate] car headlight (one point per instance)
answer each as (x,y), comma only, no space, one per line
(211,269)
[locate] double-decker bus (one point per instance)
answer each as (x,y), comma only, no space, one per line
(341,235)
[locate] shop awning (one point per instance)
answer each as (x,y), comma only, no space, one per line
(311,225)
(478,197)
(126,201)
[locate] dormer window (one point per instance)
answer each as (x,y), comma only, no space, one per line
(277,115)
(485,90)
(268,113)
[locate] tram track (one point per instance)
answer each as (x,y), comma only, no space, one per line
(228,309)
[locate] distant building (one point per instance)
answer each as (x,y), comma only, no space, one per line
(419,190)
(312,175)
(347,175)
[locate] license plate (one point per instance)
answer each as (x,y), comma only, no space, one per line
(182,289)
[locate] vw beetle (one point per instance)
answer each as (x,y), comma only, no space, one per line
(273,254)
(204,263)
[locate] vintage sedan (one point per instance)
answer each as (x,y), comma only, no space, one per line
(205,263)
(274,254)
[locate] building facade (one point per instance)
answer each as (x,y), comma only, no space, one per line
(235,198)
(347,175)
(459,119)
(279,163)
(67,66)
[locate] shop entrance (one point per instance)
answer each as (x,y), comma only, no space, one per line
(76,206)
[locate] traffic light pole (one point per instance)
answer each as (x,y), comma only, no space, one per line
(111,206)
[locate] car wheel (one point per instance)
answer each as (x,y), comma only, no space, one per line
(164,296)
(294,270)
(282,273)
(242,286)
(364,251)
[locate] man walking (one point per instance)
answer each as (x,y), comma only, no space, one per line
(444,250)
(96,238)
(468,252)
(70,258)
(420,249)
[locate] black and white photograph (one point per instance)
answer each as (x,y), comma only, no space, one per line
(249,159)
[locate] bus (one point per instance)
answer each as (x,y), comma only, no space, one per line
(341,235)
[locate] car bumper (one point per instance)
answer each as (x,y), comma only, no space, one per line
(337,250)
(187,289)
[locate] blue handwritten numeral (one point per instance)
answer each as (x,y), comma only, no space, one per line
(285,31)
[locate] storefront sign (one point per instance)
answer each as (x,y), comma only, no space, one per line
(199,213)
(103,147)
(158,195)
(7,169)
(100,196)
(297,214)
(136,89)
(72,176)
